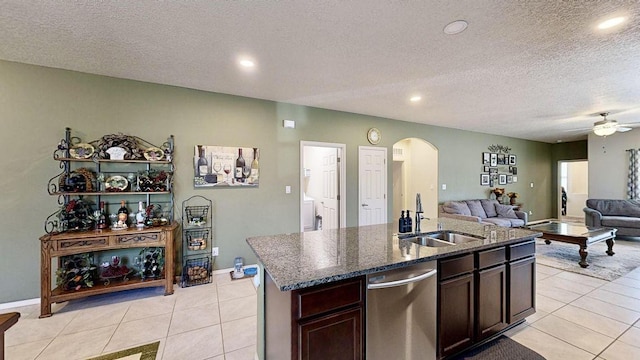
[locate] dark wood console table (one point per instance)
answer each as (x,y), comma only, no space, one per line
(71,243)
(6,321)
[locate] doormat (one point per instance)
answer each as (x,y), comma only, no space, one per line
(502,348)
(565,256)
(143,352)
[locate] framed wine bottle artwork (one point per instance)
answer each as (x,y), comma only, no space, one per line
(226,166)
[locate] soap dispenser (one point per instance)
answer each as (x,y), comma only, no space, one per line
(402,223)
(409,227)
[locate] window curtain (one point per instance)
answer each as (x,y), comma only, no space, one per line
(633,183)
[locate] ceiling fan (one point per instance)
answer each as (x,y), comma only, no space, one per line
(607,127)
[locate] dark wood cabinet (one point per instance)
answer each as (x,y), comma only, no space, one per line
(456,316)
(491,301)
(521,272)
(483,293)
(321,322)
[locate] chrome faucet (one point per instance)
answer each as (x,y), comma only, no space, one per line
(418,212)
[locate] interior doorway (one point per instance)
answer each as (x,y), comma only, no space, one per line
(573,180)
(415,170)
(322,186)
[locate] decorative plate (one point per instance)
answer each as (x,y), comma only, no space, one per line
(82,151)
(116,183)
(153,154)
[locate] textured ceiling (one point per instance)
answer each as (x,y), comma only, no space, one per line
(535,70)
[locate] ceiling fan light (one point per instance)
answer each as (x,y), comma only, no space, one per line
(604,129)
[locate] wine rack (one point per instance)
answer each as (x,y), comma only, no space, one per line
(197,241)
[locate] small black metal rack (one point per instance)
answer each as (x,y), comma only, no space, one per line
(197,241)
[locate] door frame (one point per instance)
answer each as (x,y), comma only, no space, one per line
(342,180)
(384,179)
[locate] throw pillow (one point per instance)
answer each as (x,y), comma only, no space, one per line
(476,208)
(505,211)
(456,207)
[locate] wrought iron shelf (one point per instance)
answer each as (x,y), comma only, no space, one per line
(73,193)
(115,161)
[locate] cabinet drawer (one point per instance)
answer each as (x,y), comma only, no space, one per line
(491,257)
(89,244)
(455,266)
(317,301)
(132,239)
(522,250)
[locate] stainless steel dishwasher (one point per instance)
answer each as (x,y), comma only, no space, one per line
(401,313)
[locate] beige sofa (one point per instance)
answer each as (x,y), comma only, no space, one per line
(483,211)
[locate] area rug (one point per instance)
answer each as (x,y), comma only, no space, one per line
(502,348)
(602,266)
(143,352)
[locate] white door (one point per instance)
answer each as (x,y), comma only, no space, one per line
(372,171)
(330,196)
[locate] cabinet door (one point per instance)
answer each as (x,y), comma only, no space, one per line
(522,289)
(334,336)
(491,301)
(455,314)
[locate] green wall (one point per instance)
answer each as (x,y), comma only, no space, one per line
(37,103)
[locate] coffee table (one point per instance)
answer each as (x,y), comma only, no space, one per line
(575,234)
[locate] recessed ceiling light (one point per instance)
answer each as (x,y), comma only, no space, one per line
(415,98)
(455,27)
(611,23)
(247,63)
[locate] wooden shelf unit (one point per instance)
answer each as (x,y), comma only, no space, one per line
(71,243)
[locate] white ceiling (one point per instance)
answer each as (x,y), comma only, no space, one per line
(536,70)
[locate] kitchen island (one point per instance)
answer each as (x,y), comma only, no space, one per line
(314,285)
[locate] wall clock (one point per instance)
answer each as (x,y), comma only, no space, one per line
(374,136)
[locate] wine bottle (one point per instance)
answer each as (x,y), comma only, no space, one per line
(239,166)
(140,215)
(123,215)
(203,164)
(254,167)
(102,218)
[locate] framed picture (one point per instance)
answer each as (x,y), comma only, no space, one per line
(513,170)
(486,158)
(485,169)
(493,170)
(515,179)
(509,179)
(224,166)
(512,160)
(501,159)
(485,179)
(502,179)
(494,159)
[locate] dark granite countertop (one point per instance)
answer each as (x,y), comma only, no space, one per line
(300,260)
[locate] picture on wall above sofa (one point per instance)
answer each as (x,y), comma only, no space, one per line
(499,166)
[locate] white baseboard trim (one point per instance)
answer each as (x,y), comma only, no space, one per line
(21,303)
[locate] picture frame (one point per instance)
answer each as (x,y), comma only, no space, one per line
(512,159)
(515,179)
(486,158)
(513,170)
(493,159)
(501,159)
(485,180)
(509,179)
(502,179)
(493,170)
(485,168)
(217,167)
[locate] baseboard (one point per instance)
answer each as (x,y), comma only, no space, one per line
(21,303)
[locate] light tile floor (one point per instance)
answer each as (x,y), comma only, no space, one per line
(215,321)
(578,317)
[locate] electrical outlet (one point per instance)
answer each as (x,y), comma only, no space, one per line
(215,251)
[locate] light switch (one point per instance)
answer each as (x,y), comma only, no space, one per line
(531,184)
(444,186)
(287,189)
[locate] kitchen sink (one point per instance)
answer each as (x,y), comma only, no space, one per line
(440,238)
(453,237)
(425,240)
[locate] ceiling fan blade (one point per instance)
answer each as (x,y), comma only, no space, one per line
(623,129)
